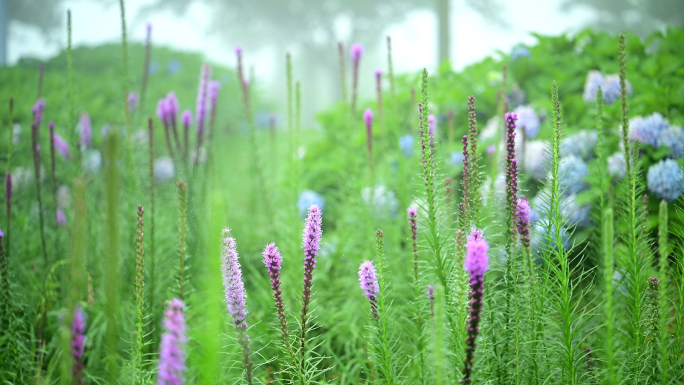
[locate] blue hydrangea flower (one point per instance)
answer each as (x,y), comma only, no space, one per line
(456,159)
(580,144)
(594,80)
(673,138)
(572,172)
(406,144)
(308,198)
(610,84)
(529,119)
(383,200)
(535,158)
(519,51)
(543,234)
(174,66)
(575,214)
(664,179)
(647,130)
(611,88)
(617,164)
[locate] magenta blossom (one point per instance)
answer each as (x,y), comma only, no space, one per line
(86,130)
(61,146)
(171,350)
(61,217)
(368,281)
(186,118)
(477,260)
(78,326)
(356,51)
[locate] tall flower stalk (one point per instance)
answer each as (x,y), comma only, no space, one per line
(273,261)
(413,226)
(78,326)
(356,52)
(475,199)
(172,349)
(368,281)
(182,193)
(8,207)
(151,258)
(146,68)
(608,264)
(311,244)
(139,296)
(236,301)
(663,252)
(201,111)
(476,264)
(38,111)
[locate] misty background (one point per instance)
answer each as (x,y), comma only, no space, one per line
(424,33)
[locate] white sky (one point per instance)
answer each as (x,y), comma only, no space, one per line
(472,38)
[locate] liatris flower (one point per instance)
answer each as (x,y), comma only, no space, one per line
(647,130)
(132,101)
(466,179)
(413,225)
(406,144)
(511,173)
(171,111)
(369,284)
(616,165)
(307,198)
(61,146)
(528,120)
(61,217)
(476,264)
(378,89)
(432,129)
(356,51)
(182,195)
(78,325)
(273,260)
(186,118)
(430,292)
(214,88)
(523,223)
(236,298)
(368,119)
(86,131)
(664,179)
(171,350)
(201,110)
(38,110)
(311,244)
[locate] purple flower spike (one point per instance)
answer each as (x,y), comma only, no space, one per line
(61,146)
(511,174)
(413,225)
(161,111)
(356,51)
(214,88)
(311,244)
(78,325)
(186,118)
(368,119)
(273,261)
(430,292)
(477,260)
(238,50)
(368,281)
(524,221)
(132,101)
(61,217)
(172,107)
(201,110)
(232,281)
(86,130)
(236,297)
(38,110)
(171,350)
(476,263)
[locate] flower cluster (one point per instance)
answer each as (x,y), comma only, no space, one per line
(528,120)
(86,131)
(381,200)
(171,350)
(656,132)
(78,325)
(523,224)
(610,85)
(368,281)
(664,180)
(617,164)
(581,144)
(476,264)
